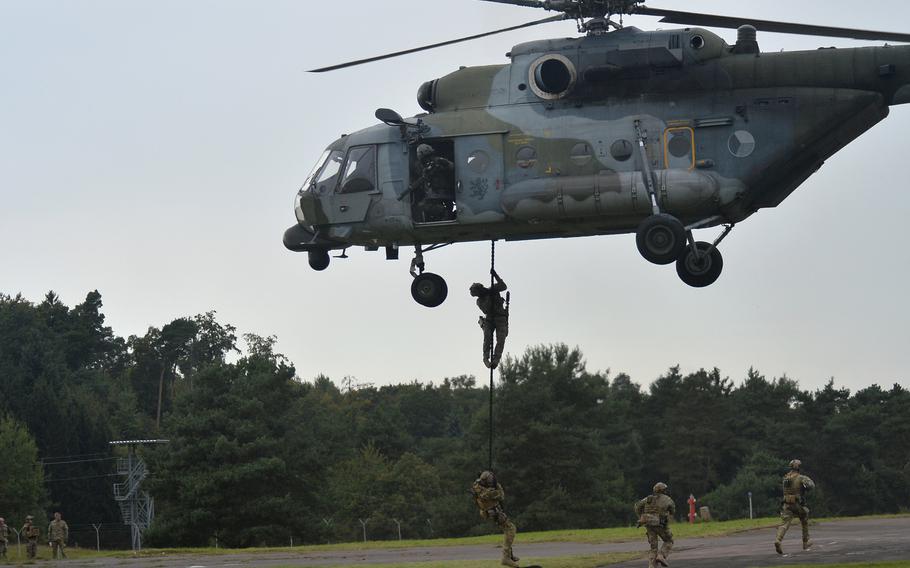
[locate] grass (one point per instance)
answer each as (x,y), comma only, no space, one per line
(891,564)
(618,534)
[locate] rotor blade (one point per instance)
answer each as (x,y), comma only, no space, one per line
(709,20)
(435,45)
(525,3)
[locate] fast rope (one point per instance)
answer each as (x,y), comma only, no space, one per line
(489,353)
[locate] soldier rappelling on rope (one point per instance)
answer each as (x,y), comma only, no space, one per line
(495,317)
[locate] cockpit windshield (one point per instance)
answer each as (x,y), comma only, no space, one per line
(324,176)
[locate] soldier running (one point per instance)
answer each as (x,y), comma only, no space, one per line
(795,485)
(654,512)
(495,316)
(31,534)
(489,496)
(58,533)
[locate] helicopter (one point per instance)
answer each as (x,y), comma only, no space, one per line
(616,131)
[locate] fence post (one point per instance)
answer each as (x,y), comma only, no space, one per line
(18,543)
(750,504)
(363,523)
(97,536)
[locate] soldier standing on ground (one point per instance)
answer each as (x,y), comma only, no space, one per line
(31,534)
(58,533)
(796,485)
(495,316)
(489,496)
(4,537)
(654,512)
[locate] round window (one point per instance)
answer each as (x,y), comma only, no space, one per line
(477,161)
(526,157)
(680,144)
(621,150)
(581,154)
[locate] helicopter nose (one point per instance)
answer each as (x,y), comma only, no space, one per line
(297,238)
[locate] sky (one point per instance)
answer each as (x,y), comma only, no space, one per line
(152,150)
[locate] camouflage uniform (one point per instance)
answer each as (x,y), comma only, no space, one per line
(58,533)
(437,199)
(489,496)
(495,317)
(654,512)
(795,486)
(31,534)
(4,538)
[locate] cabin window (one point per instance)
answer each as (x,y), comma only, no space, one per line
(679,148)
(621,150)
(477,161)
(359,171)
(581,154)
(526,157)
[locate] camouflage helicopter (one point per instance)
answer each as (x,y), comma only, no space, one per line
(617,131)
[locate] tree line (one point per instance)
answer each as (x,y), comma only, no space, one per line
(258,455)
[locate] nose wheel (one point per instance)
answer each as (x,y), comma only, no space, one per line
(427,289)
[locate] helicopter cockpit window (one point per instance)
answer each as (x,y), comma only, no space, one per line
(328,176)
(360,171)
(309,179)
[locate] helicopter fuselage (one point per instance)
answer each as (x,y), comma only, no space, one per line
(588,136)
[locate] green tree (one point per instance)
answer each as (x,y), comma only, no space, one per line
(21,476)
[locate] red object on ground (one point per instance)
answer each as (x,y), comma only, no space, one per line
(691,502)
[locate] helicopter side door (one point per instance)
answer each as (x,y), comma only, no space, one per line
(479,177)
(356,186)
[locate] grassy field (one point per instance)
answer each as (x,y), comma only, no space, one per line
(893,564)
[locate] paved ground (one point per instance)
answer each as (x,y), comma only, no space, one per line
(843,541)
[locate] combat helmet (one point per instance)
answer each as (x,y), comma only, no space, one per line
(29,517)
(487,478)
(660,487)
(795,464)
(476,288)
(424,151)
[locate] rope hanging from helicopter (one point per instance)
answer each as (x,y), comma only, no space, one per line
(491,358)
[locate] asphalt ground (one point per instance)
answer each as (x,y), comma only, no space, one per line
(861,540)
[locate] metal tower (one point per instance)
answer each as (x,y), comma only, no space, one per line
(136,506)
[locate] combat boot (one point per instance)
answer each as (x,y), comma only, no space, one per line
(507,559)
(777,547)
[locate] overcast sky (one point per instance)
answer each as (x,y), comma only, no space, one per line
(151,150)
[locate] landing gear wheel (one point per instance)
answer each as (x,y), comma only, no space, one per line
(319,259)
(702,270)
(661,238)
(429,289)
